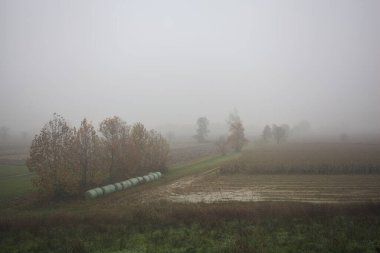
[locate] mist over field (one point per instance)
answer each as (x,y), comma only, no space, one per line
(189,126)
(166,63)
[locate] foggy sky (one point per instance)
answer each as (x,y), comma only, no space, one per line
(169,62)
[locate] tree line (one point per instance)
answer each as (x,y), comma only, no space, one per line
(236,136)
(281,133)
(69,160)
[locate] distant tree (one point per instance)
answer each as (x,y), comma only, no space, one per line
(280,133)
(88,149)
(222,145)
(115,134)
(267,133)
(236,136)
(52,159)
(202,130)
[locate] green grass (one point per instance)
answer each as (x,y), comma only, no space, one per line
(12,170)
(233,227)
(15,181)
(199,166)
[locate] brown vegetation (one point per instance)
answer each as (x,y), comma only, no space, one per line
(307,158)
(236,136)
(67,160)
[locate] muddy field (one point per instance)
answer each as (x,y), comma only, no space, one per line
(306,172)
(213,187)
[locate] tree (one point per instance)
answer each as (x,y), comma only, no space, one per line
(267,133)
(236,132)
(115,134)
(87,145)
(52,159)
(157,152)
(222,145)
(202,130)
(280,133)
(137,148)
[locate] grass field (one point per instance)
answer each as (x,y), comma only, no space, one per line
(167,227)
(227,217)
(15,181)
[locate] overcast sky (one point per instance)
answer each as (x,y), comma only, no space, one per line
(169,62)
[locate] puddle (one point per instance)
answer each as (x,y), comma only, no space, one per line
(216,196)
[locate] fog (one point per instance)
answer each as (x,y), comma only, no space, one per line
(166,63)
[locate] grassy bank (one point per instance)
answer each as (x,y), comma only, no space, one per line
(230,227)
(201,165)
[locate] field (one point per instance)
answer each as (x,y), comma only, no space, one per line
(316,173)
(266,199)
(181,153)
(15,181)
(305,188)
(312,158)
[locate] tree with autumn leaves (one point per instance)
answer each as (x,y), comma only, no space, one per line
(67,160)
(236,137)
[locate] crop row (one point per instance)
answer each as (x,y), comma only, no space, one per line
(307,158)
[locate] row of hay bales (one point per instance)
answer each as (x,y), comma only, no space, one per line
(108,189)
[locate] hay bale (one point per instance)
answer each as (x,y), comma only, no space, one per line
(134,181)
(118,186)
(107,189)
(99,191)
(126,184)
(146,178)
(91,194)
